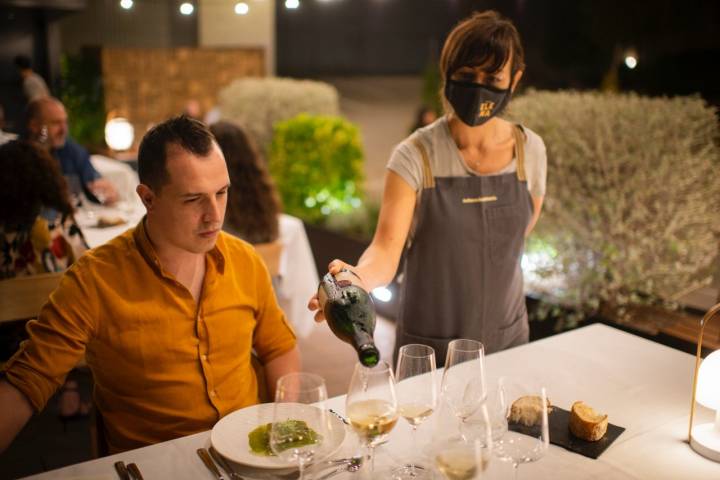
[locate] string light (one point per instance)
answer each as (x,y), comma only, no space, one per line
(126,4)
(242,8)
(292,4)
(187,8)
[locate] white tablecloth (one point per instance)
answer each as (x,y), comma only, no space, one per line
(119,173)
(299,277)
(643,386)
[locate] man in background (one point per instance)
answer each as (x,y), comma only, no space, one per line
(47,124)
(34,86)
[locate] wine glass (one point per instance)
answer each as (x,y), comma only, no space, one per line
(417,396)
(527,437)
(300,425)
(463,381)
(460,458)
(488,424)
(371,405)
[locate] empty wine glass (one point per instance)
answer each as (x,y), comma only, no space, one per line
(417,397)
(300,420)
(527,436)
(371,405)
(460,458)
(489,420)
(463,382)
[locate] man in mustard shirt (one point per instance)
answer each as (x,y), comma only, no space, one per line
(167,314)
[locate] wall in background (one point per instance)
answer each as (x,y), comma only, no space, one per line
(149,24)
(220,26)
(147,85)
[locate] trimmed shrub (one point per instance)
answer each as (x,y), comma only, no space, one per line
(317,165)
(259,103)
(632,212)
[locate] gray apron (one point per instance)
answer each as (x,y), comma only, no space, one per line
(461,273)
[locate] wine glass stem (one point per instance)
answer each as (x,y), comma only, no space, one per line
(414,444)
(301,469)
(371,457)
(516,468)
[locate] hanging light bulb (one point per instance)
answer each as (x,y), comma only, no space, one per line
(187,8)
(242,8)
(126,4)
(292,4)
(119,134)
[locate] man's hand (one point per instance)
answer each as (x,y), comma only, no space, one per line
(15,411)
(104,191)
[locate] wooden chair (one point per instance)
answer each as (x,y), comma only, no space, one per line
(21,298)
(271,253)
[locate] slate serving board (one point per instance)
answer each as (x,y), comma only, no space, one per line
(560,434)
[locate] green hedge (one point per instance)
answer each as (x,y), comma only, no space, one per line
(632,211)
(317,165)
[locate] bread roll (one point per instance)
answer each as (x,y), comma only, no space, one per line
(526,410)
(586,423)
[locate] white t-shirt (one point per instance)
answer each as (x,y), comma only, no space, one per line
(446,161)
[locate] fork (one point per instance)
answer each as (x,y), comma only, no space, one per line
(353,466)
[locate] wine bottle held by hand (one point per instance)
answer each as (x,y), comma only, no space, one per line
(350,313)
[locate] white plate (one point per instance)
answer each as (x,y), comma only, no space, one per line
(230,436)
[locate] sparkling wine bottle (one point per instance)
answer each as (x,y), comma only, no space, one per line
(350,313)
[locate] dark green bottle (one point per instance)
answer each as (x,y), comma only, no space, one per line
(350,314)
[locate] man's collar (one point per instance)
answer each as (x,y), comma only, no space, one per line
(147,250)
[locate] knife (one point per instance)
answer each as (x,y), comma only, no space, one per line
(205,457)
(122,471)
(224,464)
(134,471)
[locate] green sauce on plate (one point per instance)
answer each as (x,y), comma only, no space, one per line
(296,432)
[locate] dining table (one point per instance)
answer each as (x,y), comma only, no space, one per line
(642,385)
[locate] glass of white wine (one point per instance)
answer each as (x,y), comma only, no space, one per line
(417,397)
(463,383)
(371,405)
(300,420)
(460,458)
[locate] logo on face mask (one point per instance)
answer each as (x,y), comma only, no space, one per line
(475,103)
(486,109)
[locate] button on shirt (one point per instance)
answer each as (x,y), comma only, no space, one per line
(163,365)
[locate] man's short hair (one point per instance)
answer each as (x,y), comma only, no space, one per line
(23,62)
(189,134)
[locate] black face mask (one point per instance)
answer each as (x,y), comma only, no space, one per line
(475,103)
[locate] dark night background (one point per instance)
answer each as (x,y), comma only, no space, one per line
(569,44)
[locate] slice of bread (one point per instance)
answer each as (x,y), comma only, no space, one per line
(526,410)
(586,423)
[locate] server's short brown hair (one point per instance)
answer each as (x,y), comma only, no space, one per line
(483,39)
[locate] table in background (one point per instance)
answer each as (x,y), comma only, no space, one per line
(643,386)
(299,277)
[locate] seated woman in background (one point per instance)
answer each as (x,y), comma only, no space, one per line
(253,203)
(38,233)
(254,214)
